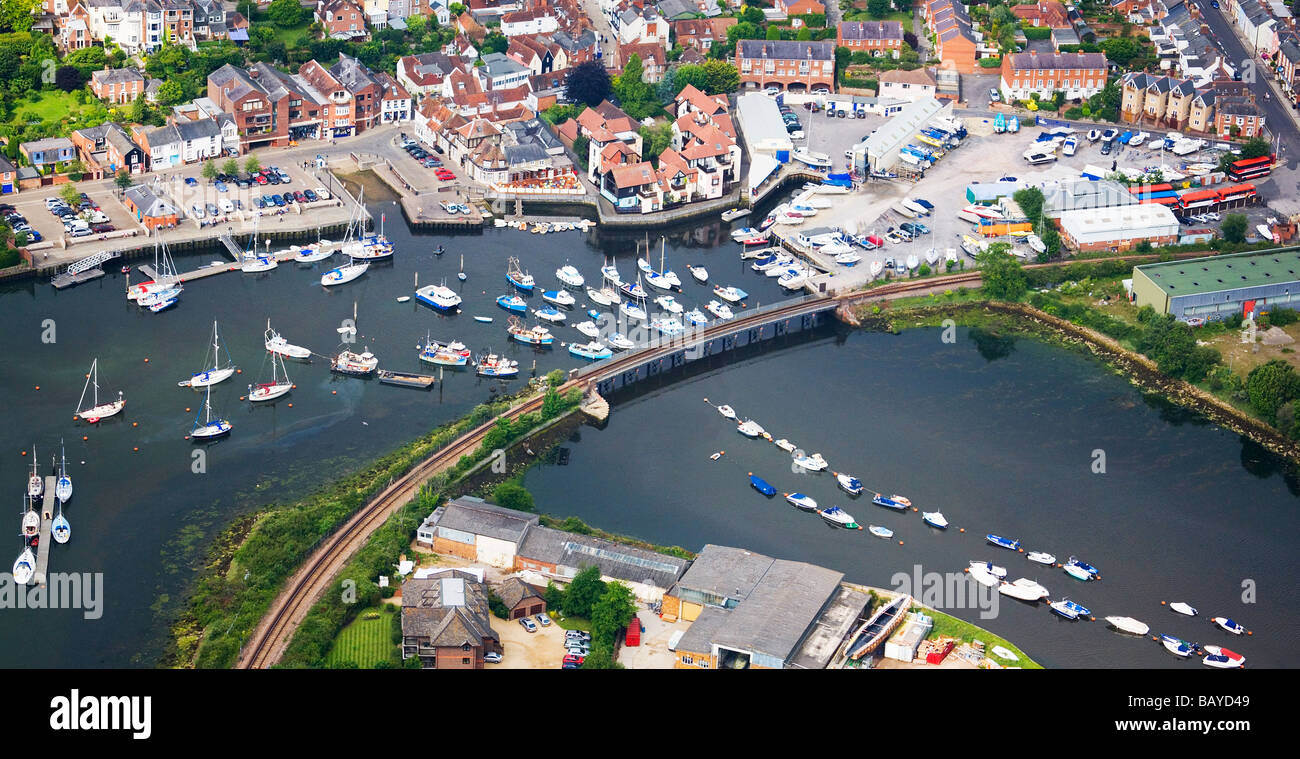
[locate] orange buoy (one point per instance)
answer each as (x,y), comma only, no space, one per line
(146,360)
(242,397)
(135,449)
(83,437)
(290,405)
(1248,632)
(187,408)
(135,424)
(961,529)
(239,371)
(900,542)
(38,387)
(295,387)
(334,392)
(1162,603)
(24,453)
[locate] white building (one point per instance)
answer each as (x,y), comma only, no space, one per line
(1119,227)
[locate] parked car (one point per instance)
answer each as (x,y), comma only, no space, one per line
(299,197)
(50,203)
(492,657)
(444,174)
(221,186)
(101,228)
(772,90)
(574,659)
(995,96)
(310,195)
(821,90)
(288,197)
(212,209)
(226,206)
(260,201)
(260,179)
(528,624)
(191,181)
(196,211)
(542,620)
(583,634)
(81,232)
(1105,148)
(914,228)
(570,665)
(322,193)
(33,235)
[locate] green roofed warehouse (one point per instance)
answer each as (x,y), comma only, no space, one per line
(1216,287)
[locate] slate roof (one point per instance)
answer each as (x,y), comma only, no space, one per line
(117,76)
(1022,61)
(871,30)
(472,515)
(450,608)
(787,50)
(149,203)
(514,590)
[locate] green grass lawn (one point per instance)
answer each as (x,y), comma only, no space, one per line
(571,623)
(290,36)
(52,105)
(365,642)
(965,631)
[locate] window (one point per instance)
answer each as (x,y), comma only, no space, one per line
(687,659)
(464,661)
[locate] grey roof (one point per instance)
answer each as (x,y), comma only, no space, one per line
(698,638)
(450,608)
(438,64)
(871,30)
(672,9)
(787,50)
(725,571)
(353,74)
(148,202)
(5,165)
(534,131)
(572,42)
(48,143)
(1290,50)
(1079,194)
(499,64)
(198,130)
(514,590)
(117,76)
(1065,36)
(472,515)
(615,560)
(517,155)
(833,626)
(1032,60)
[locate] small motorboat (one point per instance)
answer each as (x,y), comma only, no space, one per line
(727,411)
(720,310)
(559,297)
(1023,589)
(602,297)
(734,213)
(839,517)
(1041,557)
(761,485)
(990,567)
(851,485)
(1093,572)
(618,341)
(716,456)
(1128,625)
(439,297)
(1183,608)
(1001,542)
(880,532)
(1078,572)
(570,276)
(1222,658)
(749,428)
(813,463)
(593,351)
(730,294)
(553,315)
(483,319)
(1069,609)
(493,365)
(1094,135)
(801,501)
(935,519)
(511,303)
(669,304)
(359,364)
(700,273)
(1178,646)
(517,277)
(695,317)
(632,311)
(895,502)
(785,445)
(588,328)
(667,327)
(1229,625)
(979,574)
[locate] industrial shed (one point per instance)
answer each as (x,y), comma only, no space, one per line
(1119,228)
(1216,287)
(879,152)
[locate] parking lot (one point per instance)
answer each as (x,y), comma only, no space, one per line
(260,194)
(101,212)
(424,165)
(543,649)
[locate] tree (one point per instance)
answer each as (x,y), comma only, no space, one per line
(259,35)
(553,596)
(1254,147)
(878,8)
(171,92)
(721,77)
(1234,227)
(583,592)
(1001,273)
(69,78)
(230,167)
(911,40)
(123,180)
(804,34)
(1270,385)
(209,170)
(16,15)
(512,495)
(1121,50)
(70,194)
(752,15)
(615,609)
(251,165)
(494,42)
(601,656)
(456,9)
(773,32)
(587,83)
(285,13)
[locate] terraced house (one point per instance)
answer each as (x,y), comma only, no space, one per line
(107,149)
(1078,75)
(876,37)
(117,85)
(786,65)
(1159,100)
(956,42)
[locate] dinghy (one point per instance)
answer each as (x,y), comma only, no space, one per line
(1229,625)
(880,532)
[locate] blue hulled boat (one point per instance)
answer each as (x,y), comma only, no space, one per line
(1001,542)
(512,303)
(891,502)
(761,485)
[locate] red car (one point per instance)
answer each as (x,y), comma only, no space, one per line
(574,659)
(444,175)
(259,178)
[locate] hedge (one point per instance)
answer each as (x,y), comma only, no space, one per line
(1037,33)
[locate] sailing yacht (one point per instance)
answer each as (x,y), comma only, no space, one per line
(210,428)
(664,279)
(31,519)
(278,386)
(24,567)
(277,344)
(35,485)
(63,487)
(162,289)
(345,273)
(217,373)
(60,528)
(312,253)
(97,411)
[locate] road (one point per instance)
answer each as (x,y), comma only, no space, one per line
(1279,118)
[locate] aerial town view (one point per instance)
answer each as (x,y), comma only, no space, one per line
(651,334)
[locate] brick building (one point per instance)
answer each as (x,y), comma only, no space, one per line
(117,85)
(876,37)
(787,65)
(1078,75)
(446,621)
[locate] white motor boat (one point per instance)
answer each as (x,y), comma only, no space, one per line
(1128,625)
(720,310)
(1041,557)
(1222,658)
(1229,625)
(669,304)
(839,517)
(1138,139)
(570,276)
(313,253)
(1023,589)
(559,297)
(935,519)
(982,576)
(552,315)
(730,294)
(799,500)
(813,463)
(749,428)
(603,297)
(793,279)
(785,445)
(632,310)
(618,342)
(848,258)
(1183,608)
(277,344)
(700,273)
(727,411)
(990,567)
(588,328)
(344,274)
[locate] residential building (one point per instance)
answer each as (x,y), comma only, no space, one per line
(446,621)
(1237,117)
(395,102)
(907,85)
(1043,13)
(117,85)
(1160,100)
(643,26)
(500,72)
(603,126)
(956,42)
(654,59)
(786,65)
(49,154)
(106,149)
(793,8)
(700,34)
(424,73)
(1078,75)
(876,37)
(539,20)
(149,209)
(179,143)
(8,176)
(1217,287)
(342,19)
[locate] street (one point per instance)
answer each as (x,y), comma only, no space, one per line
(1279,118)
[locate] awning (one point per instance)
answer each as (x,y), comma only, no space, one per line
(760,169)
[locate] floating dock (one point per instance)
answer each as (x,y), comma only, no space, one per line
(280,256)
(84,270)
(47,520)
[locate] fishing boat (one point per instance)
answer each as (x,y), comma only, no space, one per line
(439,297)
(559,297)
(729,293)
(633,290)
(1001,542)
(343,274)
(695,317)
(669,304)
(35,485)
(749,428)
(24,567)
(517,277)
(632,311)
(1023,589)
(934,519)
(727,411)
(483,319)
(553,315)
(512,303)
(839,517)
(588,328)
(896,502)
(217,373)
(1222,658)
(720,310)
(602,297)
(1040,557)
(1128,625)
(761,485)
(210,428)
(1178,646)
(851,485)
(1183,608)
(801,501)
(1069,609)
(700,273)
(593,351)
(611,275)
(785,445)
(880,532)
(618,341)
(813,463)
(97,411)
(63,486)
(537,335)
(452,353)
(496,366)
(277,344)
(878,627)
(278,386)
(60,529)
(357,364)
(1229,625)
(570,276)
(734,213)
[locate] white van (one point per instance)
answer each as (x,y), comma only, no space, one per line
(226,206)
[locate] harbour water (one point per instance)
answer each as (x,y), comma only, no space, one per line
(1002,438)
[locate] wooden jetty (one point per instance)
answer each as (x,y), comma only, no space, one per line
(47,520)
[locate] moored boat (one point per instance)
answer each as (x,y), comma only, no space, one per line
(1222,658)
(603,297)
(570,276)
(851,485)
(720,310)
(593,351)
(211,428)
(1023,589)
(1178,646)
(839,517)
(700,273)
(1082,570)
(813,463)
(891,502)
(880,532)
(1128,625)
(277,344)
(1040,557)
(553,315)
(729,293)
(749,428)
(801,501)
(559,297)
(1183,608)
(618,341)
(1229,625)
(97,410)
(537,335)
(1069,609)
(935,519)
(63,486)
(1001,542)
(518,277)
(761,485)
(344,274)
(512,303)
(24,567)
(990,567)
(358,364)
(440,297)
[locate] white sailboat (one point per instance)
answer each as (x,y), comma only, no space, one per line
(97,411)
(611,275)
(166,286)
(210,428)
(63,487)
(24,567)
(278,386)
(217,373)
(59,528)
(31,519)
(277,344)
(344,274)
(35,485)
(461,274)
(606,296)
